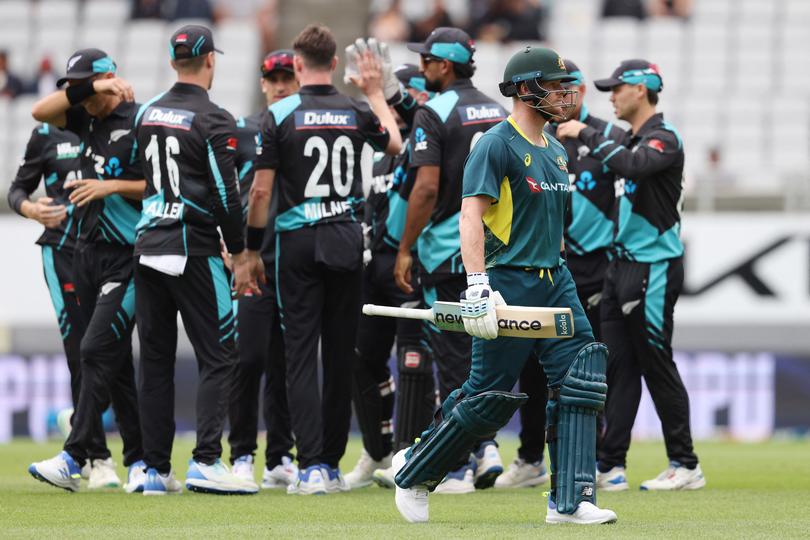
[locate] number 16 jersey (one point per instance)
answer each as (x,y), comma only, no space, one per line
(315,141)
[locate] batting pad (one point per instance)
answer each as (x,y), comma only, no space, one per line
(571,434)
(472,419)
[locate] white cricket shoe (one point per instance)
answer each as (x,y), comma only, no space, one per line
(385,477)
(585,514)
(310,481)
(86,470)
(280,476)
(243,468)
(676,477)
(457,482)
(488,465)
(103,475)
(60,471)
(136,477)
(362,474)
(217,479)
(333,479)
(613,480)
(521,473)
(161,484)
(412,503)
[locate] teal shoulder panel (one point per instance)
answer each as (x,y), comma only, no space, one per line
(283,108)
(443,104)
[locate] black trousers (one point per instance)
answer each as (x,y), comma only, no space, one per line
(452,351)
(637,307)
(202,295)
(319,275)
(260,352)
(103,281)
(373,397)
(588,272)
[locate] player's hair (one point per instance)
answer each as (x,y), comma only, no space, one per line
(463,71)
(188,66)
(652,97)
(316,46)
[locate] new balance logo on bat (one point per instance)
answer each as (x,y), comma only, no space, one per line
(506,324)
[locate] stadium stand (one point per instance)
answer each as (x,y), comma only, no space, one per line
(737,75)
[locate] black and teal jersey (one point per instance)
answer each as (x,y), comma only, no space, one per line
(385,208)
(247,140)
(649,188)
(529,189)
(445,129)
(110,153)
(591,213)
(315,140)
(52,154)
(187,145)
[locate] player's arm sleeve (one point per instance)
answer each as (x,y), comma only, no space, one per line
(267,145)
(426,139)
(221,148)
(371,128)
(657,151)
(485,168)
(75,118)
(29,173)
(406,109)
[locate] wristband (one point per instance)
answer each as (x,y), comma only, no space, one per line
(477,278)
(79,92)
(255,237)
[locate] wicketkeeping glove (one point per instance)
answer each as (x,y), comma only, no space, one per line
(392,89)
(478,307)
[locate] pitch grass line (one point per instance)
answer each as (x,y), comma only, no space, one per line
(754,491)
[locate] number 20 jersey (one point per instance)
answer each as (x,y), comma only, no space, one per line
(187,146)
(315,141)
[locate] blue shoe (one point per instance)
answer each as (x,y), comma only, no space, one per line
(612,480)
(160,484)
(333,480)
(61,471)
(310,482)
(459,481)
(136,477)
(488,465)
(217,479)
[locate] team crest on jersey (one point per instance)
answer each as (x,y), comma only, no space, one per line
(562,164)
(527,159)
(325,119)
(484,113)
(170,118)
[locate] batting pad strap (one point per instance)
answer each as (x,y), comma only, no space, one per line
(472,419)
(572,423)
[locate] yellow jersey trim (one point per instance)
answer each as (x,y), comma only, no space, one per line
(498,217)
(520,131)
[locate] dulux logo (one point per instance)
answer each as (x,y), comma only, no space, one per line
(478,114)
(173,118)
(325,119)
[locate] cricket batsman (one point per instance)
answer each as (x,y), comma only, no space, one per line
(512,220)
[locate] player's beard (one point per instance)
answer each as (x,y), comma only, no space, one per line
(433,85)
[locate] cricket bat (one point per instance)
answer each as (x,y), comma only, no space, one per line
(513,321)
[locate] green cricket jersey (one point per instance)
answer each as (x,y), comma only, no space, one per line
(529,187)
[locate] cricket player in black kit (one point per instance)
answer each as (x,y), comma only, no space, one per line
(260,351)
(187,145)
(374,387)
(98,107)
(314,141)
(588,237)
(643,282)
(444,132)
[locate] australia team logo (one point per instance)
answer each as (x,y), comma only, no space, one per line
(562,164)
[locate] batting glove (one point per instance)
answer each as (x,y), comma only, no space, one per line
(478,307)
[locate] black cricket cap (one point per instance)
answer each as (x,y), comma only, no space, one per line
(447,43)
(281,59)
(197,41)
(634,71)
(85,63)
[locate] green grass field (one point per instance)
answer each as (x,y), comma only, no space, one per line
(754,491)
